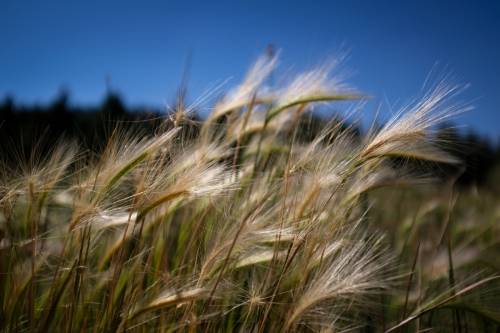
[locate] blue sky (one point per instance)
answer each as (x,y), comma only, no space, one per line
(141,46)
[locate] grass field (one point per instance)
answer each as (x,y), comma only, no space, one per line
(244,226)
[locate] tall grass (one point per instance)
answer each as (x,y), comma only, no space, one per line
(245,227)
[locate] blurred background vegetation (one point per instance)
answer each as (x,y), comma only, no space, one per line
(22,126)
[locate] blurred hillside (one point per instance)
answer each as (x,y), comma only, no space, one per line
(28,128)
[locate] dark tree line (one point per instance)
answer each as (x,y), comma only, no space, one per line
(21,128)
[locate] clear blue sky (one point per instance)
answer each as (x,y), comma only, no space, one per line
(142,46)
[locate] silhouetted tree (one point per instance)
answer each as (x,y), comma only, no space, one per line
(113,107)
(7,109)
(60,118)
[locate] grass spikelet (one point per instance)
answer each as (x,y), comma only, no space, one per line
(242,95)
(356,272)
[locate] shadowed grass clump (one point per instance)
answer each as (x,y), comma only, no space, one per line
(245,227)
